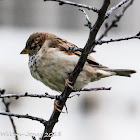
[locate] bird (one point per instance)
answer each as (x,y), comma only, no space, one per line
(51,61)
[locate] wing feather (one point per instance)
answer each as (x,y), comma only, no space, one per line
(64,45)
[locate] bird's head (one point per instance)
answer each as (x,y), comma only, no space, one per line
(34,43)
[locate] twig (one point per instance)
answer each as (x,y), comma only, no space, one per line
(91,89)
(116,40)
(109,12)
(46,95)
(114,22)
(61,2)
(8,110)
(87,89)
(74,95)
(73,76)
(25,116)
(11,119)
(89,24)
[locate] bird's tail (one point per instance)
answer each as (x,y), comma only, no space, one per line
(122,72)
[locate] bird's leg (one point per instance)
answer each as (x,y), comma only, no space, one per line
(67,83)
(56,105)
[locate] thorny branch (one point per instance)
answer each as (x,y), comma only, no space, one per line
(115,21)
(109,12)
(89,24)
(116,40)
(73,76)
(88,89)
(62,2)
(46,95)
(7,113)
(24,116)
(91,89)
(11,119)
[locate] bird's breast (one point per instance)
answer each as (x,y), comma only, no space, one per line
(53,67)
(33,66)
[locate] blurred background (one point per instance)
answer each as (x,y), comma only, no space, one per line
(101,115)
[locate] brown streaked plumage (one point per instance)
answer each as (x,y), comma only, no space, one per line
(50,62)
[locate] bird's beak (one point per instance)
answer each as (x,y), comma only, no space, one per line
(25,51)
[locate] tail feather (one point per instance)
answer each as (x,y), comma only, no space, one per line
(123,72)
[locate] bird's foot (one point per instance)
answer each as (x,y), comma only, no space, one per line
(56,106)
(67,83)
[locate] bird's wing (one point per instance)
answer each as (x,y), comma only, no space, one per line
(64,45)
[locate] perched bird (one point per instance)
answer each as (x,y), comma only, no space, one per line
(51,62)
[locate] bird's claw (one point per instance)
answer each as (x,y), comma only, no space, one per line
(56,105)
(67,83)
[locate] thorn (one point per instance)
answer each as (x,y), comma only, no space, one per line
(138,34)
(115,25)
(2,91)
(61,3)
(57,97)
(16,98)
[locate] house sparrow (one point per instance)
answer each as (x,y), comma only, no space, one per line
(51,61)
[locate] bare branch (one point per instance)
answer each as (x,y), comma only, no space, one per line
(11,119)
(73,76)
(24,116)
(46,95)
(87,89)
(74,95)
(91,89)
(109,12)
(62,2)
(89,24)
(116,40)
(114,22)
